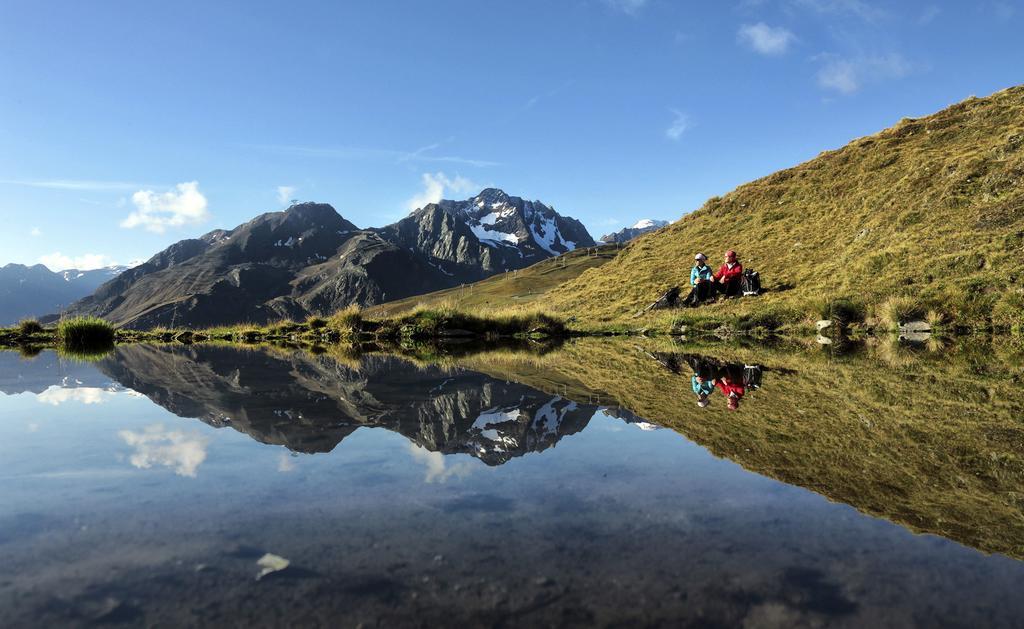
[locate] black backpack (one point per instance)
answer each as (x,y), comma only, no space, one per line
(751,283)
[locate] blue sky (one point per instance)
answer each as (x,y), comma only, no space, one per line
(126,126)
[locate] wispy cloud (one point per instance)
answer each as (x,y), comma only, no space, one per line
(57,261)
(1004,10)
(422,155)
(859,8)
(35,232)
(630,7)
(680,123)
(929,14)
(846,76)
(73,184)
(436,185)
(285,194)
(155,212)
(764,39)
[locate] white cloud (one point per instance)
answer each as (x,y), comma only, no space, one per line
(847,76)
(285,194)
(57,261)
(57,395)
(74,184)
(35,232)
(436,185)
(155,445)
(764,39)
(437,468)
(680,123)
(155,212)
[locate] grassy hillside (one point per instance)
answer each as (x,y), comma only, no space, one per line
(931,209)
(522,288)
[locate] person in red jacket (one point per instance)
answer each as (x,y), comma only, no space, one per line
(729,277)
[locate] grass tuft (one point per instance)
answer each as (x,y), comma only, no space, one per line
(30,326)
(85,335)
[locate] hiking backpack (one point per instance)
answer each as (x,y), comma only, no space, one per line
(751,283)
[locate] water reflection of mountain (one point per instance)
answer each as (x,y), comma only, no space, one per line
(310,403)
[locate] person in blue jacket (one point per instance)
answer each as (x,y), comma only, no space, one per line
(702,281)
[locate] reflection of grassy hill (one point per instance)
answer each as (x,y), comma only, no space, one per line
(524,287)
(935,445)
(932,207)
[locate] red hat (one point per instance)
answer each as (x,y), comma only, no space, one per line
(730,254)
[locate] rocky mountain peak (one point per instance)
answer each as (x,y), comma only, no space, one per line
(310,212)
(490,197)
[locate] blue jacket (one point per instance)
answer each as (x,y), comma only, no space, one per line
(701,272)
(702,388)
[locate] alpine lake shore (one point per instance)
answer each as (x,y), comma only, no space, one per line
(756,319)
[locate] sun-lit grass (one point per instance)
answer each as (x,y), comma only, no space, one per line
(929,209)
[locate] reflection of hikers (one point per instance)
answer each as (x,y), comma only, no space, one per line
(729,277)
(730,383)
(703,379)
(702,280)
(752,376)
(702,388)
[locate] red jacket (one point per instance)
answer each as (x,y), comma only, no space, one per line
(727,388)
(728,275)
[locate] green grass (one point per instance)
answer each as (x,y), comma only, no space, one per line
(30,326)
(523,289)
(929,211)
(444,320)
(85,335)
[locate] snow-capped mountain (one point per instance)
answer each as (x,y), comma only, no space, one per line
(34,291)
(309,260)
(629,233)
(498,219)
(489,233)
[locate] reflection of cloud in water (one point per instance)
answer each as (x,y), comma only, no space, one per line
(57,395)
(285,463)
(437,468)
(156,445)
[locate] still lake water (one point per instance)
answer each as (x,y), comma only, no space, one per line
(148,488)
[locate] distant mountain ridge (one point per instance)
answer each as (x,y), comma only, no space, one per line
(629,233)
(309,260)
(34,291)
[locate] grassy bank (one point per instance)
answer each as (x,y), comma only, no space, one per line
(347,326)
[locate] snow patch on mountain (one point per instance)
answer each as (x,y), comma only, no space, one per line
(648,223)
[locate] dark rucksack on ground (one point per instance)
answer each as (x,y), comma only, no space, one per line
(751,283)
